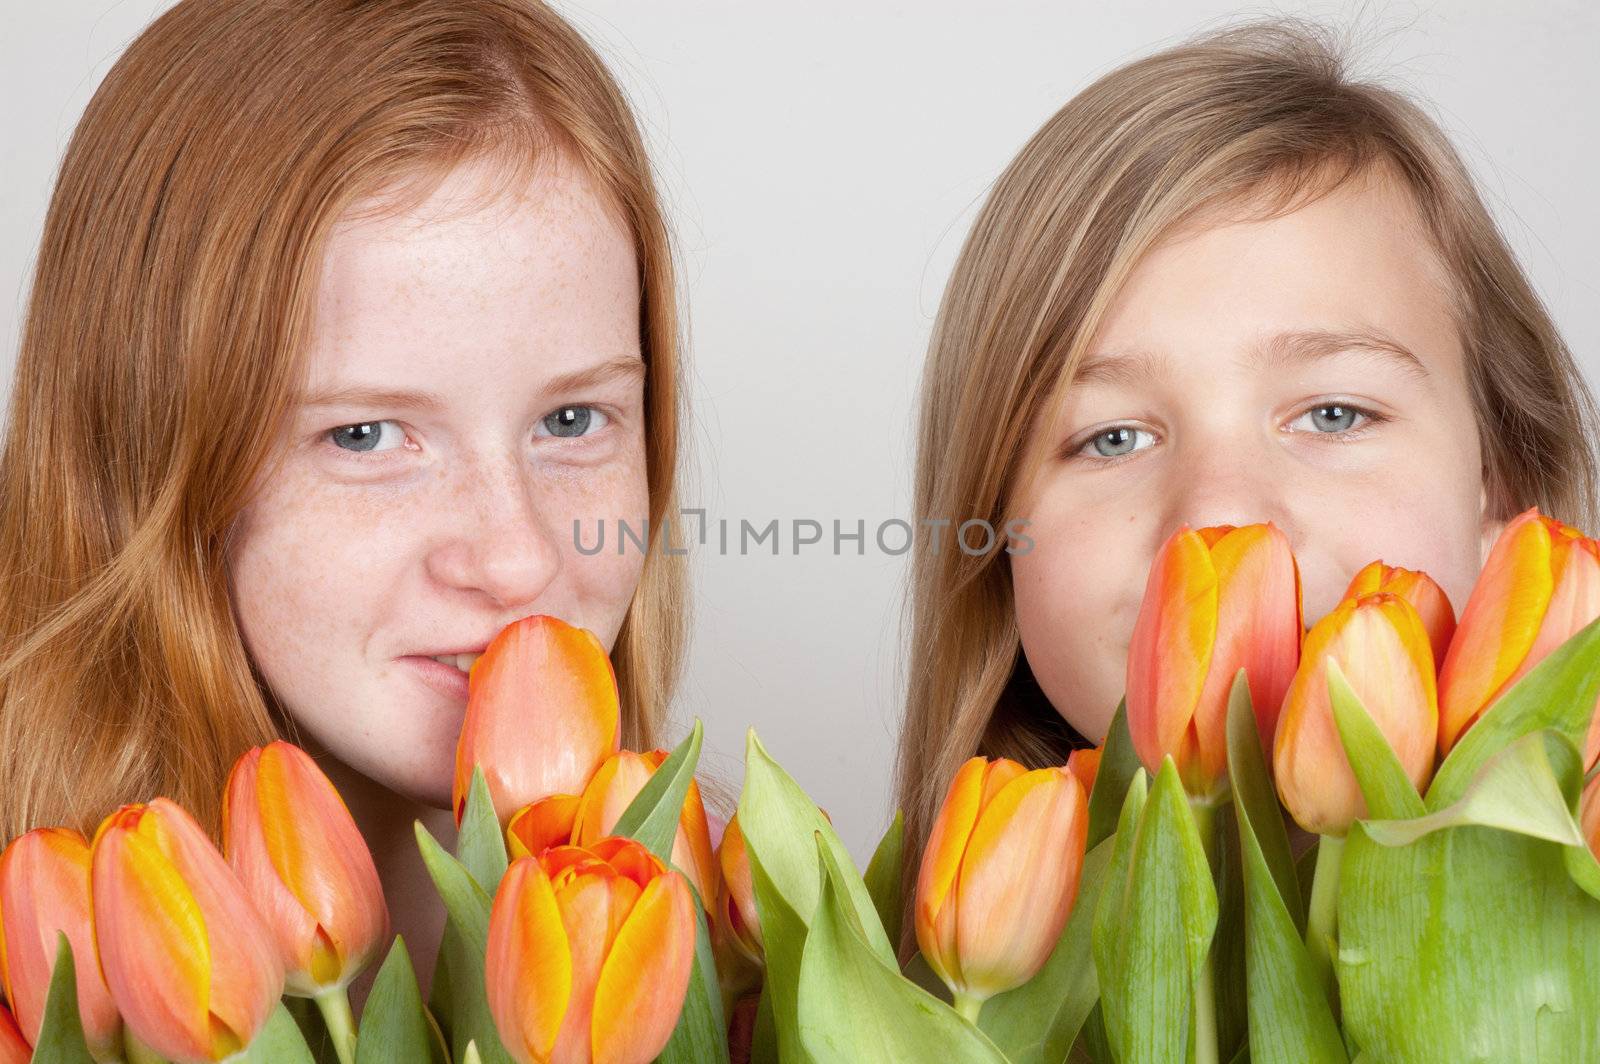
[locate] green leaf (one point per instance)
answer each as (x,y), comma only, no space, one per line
(701,1034)
(778,820)
(1037,1022)
(1154,927)
(1255,800)
(279,1041)
(652,817)
(783,934)
(1388,791)
(394,1025)
(61,1038)
(1291,1021)
(465,943)
(1519,789)
(481,842)
(1118,765)
(764,1042)
(1560,692)
(854,1006)
(883,877)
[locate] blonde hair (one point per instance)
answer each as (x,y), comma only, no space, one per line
(1261,110)
(172,294)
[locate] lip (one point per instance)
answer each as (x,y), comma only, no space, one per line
(446,679)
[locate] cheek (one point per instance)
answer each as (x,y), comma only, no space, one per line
(602,583)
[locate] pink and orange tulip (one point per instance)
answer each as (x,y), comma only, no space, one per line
(1417,588)
(590,953)
(542,714)
(1085,764)
(735,923)
(14,1049)
(537,827)
(1217,599)
(191,965)
(1539,586)
(616,784)
(999,875)
(293,844)
(44,889)
(1382,647)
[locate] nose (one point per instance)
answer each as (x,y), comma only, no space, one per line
(1224,477)
(499,542)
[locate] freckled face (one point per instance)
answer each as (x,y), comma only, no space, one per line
(1355,452)
(475,386)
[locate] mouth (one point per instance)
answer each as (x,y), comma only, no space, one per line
(463,661)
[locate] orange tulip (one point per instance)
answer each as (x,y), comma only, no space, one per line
(1382,648)
(293,844)
(590,952)
(735,924)
(537,827)
(999,875)
(44,889)
(1217,600)
(14,1049)
(1417,588)
(542,714)
(1539,586)
(1085,764)
(616,784)
(190,963)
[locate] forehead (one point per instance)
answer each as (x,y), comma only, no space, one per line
(1358,254)
(475,269)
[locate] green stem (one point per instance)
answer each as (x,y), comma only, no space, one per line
(968,1006)
(1205,987)
(335,1007)
(138,1052)
(1322,918)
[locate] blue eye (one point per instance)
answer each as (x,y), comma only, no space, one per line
(367,436)
(1115,442)
(572,421)
(1338,419)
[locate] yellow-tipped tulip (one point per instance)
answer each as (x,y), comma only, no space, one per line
(999,875)
(1539,586)
(1085,764)
(1217,600)
(537,827)
(616,784)
(542,714)
(735,924)
(1417,588)
(293,844)
(190,963)
(14,1049)
(44,889)
(590,952)
(1382,648)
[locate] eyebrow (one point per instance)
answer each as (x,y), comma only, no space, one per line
(398,398)
(1295,347)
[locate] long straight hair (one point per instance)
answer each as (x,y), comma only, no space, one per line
(171,300)
(1260,111)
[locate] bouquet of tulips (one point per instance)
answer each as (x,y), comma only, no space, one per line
(1369,842)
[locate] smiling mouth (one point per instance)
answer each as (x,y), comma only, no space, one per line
(458,661)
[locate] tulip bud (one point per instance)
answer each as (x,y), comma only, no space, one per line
(542,714)
(1383,650)
(735,924)
(1417,588)
(1085,764)
(190,963)
(999,875)
(590,952)
(44,890)
(537,827)
(291,840)
(1539,586)
(14,1049)
(616,784)
(1217,600)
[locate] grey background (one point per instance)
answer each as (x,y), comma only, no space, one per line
(822,163)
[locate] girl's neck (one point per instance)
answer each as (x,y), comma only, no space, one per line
(387,821)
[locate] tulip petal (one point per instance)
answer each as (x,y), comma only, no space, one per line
(1170,652)
(546,823)
(941,865)
(14,1049)
(528,963)
(643,982)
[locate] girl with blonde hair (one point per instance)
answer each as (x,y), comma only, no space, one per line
(345,313)
(1226,283)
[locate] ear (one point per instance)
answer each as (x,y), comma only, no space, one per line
(1489,527)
